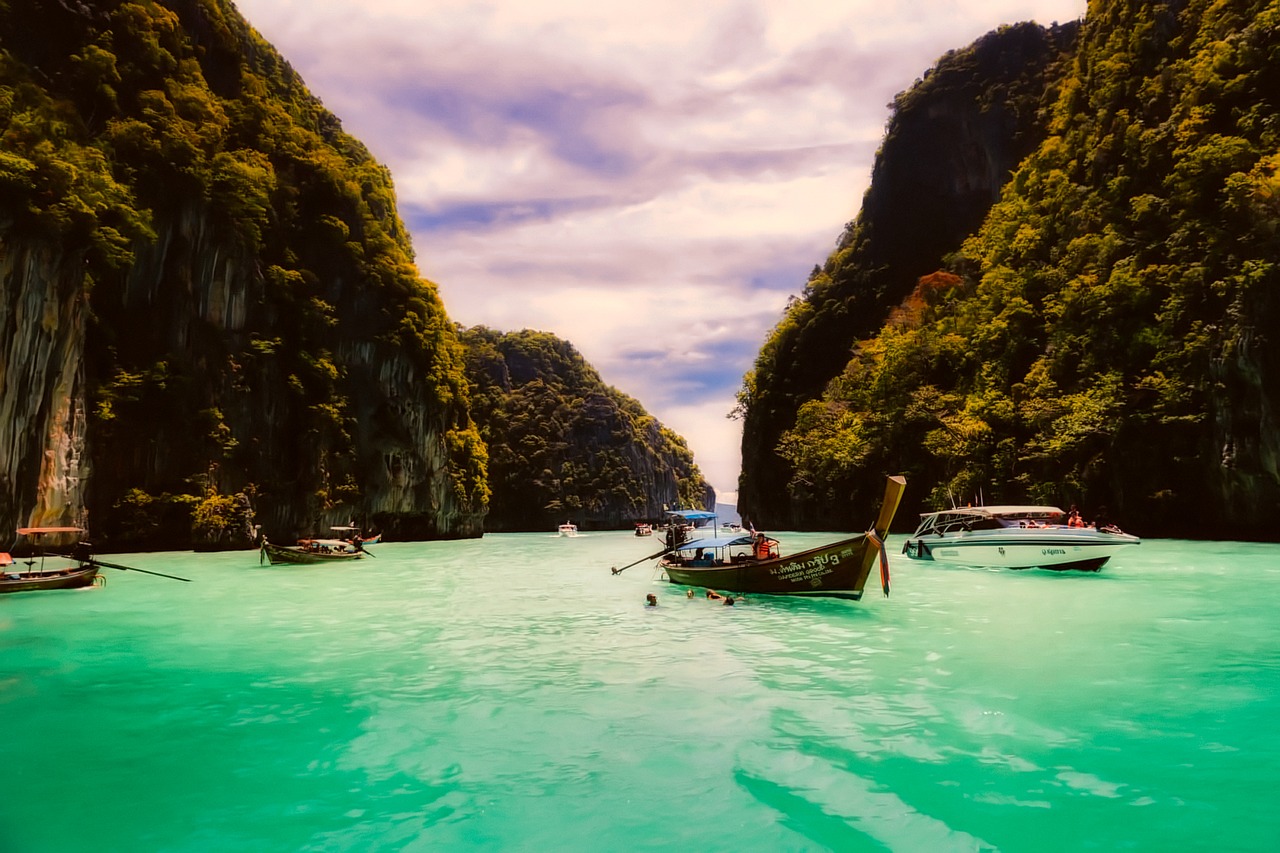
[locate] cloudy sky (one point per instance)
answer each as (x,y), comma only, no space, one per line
(649,180)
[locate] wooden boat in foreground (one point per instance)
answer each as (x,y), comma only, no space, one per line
(72,577)
(52,571)
(750,563)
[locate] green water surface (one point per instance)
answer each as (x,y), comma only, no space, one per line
(509,693)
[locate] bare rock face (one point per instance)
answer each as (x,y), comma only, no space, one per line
(43,465)
(1245,471)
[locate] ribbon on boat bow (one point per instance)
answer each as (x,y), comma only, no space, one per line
(884,561)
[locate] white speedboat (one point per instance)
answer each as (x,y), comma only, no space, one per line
(1013,537)
(568,529)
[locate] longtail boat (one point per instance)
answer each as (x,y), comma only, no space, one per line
(48,571)
(309,551)
(749,562)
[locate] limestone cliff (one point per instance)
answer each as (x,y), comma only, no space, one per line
(1105,337)
(566,447)
(209,302)
(42,388)
(952,143)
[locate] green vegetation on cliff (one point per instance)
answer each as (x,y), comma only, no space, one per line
(953,140)
(1106,337)
(256,323)
(565,446)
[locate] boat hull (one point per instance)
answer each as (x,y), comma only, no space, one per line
(1065,549)
(31,581)
(838,570)
(293,555)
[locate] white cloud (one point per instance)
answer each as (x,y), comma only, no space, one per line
(648,180)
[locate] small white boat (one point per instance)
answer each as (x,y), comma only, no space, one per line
(567,529)
(1013,537)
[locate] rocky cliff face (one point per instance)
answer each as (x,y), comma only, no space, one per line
(43,464)
(952,143)
(1103,337)
(209,302)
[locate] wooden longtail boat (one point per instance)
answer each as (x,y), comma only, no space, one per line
(70,578)
(747,563)
(48,571)
(309,551)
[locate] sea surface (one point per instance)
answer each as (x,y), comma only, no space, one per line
(511,694)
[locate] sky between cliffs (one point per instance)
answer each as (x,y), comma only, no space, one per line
(648,180)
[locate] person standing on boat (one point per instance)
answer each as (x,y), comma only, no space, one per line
(762,547)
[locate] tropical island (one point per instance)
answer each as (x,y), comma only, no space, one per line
(1057,290)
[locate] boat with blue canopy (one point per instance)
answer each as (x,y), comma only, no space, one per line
(751,562)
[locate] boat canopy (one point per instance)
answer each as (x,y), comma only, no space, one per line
(1012,511)
(691,514)
(711,542)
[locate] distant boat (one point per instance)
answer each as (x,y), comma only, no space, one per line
(643,529)
(567,529)
(48,571)
(1013,537)
(748,562)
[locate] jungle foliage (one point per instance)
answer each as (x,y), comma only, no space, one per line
(565,446)
(952,141)
(235,243)
(1107,336)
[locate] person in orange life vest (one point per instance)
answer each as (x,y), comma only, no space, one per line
(762,548)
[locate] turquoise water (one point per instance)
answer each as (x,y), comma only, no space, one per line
(509,693)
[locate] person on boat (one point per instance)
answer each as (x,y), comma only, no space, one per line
(651,600)
(1074,519)
(762,547)
(1101,522)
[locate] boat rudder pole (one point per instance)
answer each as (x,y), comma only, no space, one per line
(96,562)
(641,560)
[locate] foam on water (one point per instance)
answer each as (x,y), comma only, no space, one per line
(510,693)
